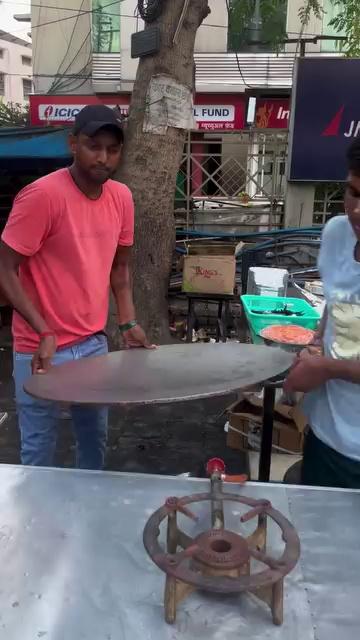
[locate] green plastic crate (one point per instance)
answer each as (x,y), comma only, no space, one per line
(257,323)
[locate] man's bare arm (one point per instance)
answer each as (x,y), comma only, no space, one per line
(312,372)
(10,284)
(348,370)
(121,284)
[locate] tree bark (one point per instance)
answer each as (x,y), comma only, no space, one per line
(150,165)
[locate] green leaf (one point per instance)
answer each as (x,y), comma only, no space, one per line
(13,115)
(273,14)
(347,22)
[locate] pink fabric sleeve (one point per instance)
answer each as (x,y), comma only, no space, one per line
(29,222)
(126,237)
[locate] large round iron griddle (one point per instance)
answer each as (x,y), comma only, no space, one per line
(167,374)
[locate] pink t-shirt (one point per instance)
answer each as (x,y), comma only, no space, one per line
(70,243)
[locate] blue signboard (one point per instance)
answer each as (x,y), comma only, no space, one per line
(325,118)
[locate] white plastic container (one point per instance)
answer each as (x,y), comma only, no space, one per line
(267,281)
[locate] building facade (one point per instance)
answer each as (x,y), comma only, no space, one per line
(84,47)
(15,69)
(82,55)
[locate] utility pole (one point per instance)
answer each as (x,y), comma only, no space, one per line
(256,28)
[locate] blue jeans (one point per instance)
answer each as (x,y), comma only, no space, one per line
(38,420)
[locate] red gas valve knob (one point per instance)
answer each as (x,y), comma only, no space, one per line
(217,465)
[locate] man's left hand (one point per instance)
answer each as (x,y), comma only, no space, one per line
(135,338)
(308,373)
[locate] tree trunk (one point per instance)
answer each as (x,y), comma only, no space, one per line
(150,167)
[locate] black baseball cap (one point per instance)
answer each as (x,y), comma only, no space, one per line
(94,117)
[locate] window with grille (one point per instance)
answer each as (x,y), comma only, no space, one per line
(105,28)
(26,60)
(27,88)
(2,84)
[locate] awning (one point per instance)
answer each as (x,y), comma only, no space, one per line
(28,148)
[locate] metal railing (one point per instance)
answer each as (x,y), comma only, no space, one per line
(329,201)
(232,180)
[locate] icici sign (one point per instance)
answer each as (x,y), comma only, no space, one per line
(58,113)
(62,113)
(60,110)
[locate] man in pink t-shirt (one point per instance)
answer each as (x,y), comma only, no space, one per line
(68,238)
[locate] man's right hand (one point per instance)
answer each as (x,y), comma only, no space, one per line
(42,358)
(309,373)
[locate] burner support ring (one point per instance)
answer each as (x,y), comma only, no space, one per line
(175,564)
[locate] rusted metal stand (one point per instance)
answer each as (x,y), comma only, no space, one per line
(223,315)
(219,560)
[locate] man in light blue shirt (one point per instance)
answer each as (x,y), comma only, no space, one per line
(331,377)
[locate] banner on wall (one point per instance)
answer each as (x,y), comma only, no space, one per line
(218,112)
(325,118)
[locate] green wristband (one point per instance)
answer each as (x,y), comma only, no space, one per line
(127,326)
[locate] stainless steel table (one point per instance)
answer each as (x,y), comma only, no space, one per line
(73,566)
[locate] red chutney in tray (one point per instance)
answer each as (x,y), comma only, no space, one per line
(288,334)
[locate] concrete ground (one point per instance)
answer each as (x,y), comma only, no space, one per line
(280,464)
(168,439)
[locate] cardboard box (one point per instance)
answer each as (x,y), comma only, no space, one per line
(209,274)
(210,268)
(245,424)
(212,249)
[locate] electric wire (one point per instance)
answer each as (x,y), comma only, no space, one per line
(69,43)
(236,53)
(80,13)
(135,17)
(56,83)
